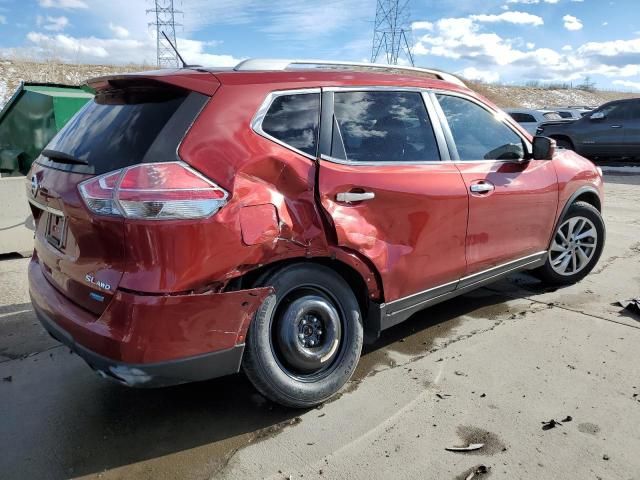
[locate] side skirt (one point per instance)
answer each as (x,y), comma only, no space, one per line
(386,315)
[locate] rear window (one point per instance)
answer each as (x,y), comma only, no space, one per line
(293,120)
(126,127)
(523,117)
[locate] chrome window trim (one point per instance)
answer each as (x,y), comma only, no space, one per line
(331,159)
(258,118)
(501,116)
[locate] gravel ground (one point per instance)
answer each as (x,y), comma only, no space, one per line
(488,368)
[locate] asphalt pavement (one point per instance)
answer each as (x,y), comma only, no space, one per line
(489,367)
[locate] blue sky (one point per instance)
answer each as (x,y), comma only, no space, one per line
(511,41)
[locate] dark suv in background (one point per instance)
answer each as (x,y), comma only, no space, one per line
(612,130)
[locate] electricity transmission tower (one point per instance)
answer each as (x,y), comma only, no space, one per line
(165,21)
(391,29)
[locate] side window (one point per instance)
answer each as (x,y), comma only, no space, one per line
(478,133)
(616,111)
(293,119)
(554,116)
(523,117)
(383,127)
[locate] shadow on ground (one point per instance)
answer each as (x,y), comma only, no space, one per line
(60,420)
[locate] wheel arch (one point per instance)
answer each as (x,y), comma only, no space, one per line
(586,194)
(559,136)
(363,281)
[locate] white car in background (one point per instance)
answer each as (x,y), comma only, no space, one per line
(571,113)
(530,119)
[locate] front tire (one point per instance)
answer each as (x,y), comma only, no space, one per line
(564,143)
(305,340)
(576,246)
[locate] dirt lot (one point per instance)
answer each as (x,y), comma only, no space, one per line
(489,367)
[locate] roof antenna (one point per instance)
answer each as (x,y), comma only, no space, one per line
(184,64)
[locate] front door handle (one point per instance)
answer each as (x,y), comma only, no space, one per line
(350,197)
(484,187)
(616,126)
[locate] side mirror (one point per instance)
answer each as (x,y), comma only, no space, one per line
(544,148)
(598,116)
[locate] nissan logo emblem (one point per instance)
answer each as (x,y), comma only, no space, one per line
(34,185)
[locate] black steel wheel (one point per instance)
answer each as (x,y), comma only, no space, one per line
(305,341)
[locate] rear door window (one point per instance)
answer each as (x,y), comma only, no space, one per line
(382,127)
(478,133)
(293,120)
(120,128)
(523,117)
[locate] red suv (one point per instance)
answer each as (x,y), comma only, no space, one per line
(273,217)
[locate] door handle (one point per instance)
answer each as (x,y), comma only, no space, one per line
(616,126)
(484,187)
(350,197)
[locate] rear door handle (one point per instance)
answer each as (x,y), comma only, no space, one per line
(484,187)
(616,126)
(350,197)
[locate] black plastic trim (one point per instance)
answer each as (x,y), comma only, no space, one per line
(149,375)
(393,313)
(571,201)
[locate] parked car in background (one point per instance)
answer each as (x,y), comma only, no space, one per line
(273,216)
(530,119)
(570,113)
(612,130)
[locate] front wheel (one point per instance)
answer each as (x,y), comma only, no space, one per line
(563,143)
(305,340)
(576,246)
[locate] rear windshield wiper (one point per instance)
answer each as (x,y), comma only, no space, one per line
(62,157)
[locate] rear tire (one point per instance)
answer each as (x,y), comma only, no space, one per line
(576,246)
(305,340)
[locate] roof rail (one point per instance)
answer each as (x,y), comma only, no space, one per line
(253,64)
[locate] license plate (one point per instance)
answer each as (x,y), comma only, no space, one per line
(56,230)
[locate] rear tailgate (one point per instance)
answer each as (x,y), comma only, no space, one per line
(132,120)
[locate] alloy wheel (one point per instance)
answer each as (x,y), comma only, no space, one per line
(574,245)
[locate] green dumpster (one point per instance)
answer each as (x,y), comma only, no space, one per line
(29,120)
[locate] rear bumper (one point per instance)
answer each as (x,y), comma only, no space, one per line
(150,341)
(160,374)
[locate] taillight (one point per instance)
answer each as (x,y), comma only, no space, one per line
(153,191)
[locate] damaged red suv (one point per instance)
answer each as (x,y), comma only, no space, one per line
(275,216)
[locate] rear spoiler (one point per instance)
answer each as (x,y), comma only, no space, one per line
(194,80)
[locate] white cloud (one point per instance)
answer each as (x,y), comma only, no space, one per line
(65,4)
(628,84)
(572,23)
(486,76)
(535,2)
(120,50)
(422,26)
(53,24)
(518,18)
(3,20)
(469,42)
(118,31)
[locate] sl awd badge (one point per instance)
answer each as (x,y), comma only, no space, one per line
(98,283)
